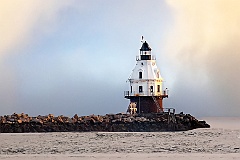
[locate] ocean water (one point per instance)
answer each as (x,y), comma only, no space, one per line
(223,138)
(223,122)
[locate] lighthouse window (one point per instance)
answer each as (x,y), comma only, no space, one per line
(140,89)
(151,88)
(140,75)
(131,89)
(158,88)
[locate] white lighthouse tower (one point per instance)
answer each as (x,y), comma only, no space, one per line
(146,83)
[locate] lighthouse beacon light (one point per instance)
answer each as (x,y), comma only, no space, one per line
(146,84)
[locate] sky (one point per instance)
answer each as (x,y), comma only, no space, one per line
(75,56)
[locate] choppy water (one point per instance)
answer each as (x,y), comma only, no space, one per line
(195,141)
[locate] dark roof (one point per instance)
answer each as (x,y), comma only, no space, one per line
(145,47)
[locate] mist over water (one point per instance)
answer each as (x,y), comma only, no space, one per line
(74,56)
(71,56)
(204,53)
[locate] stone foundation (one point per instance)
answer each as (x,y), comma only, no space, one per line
(151,122)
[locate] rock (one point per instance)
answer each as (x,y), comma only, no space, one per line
(36,120)
(75,116)
(151,122)
(12,119)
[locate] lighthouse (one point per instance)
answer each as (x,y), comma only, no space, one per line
(145,84)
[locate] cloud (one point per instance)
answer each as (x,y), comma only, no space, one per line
(18,18)
(52,72)
(205,56)
(18,21)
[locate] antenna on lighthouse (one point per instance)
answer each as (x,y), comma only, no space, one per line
(142,39)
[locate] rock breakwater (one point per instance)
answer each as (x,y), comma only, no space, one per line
(152,122)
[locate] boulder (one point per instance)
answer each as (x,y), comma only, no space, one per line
(151,122)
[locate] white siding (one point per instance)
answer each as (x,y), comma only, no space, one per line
(149,78)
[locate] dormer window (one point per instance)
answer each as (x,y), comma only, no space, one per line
(140,75)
